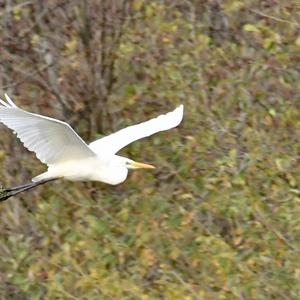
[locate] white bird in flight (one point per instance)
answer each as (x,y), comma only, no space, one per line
(67,156)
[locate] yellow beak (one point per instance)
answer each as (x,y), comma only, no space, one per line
(137,165)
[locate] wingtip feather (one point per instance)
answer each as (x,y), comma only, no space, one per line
(4,103)
(179,113)
(12,104)
(181,108)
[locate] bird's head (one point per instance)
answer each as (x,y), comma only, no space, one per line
(115,169)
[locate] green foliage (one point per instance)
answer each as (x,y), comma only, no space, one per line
(220,217)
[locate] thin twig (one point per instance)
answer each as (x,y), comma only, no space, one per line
(17,6)
(274,18)
(187,286)
(27,75)
(278,234)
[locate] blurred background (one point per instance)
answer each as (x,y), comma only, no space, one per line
(220,216)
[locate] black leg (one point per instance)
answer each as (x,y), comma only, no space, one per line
(9,192)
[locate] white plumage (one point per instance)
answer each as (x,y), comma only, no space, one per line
(68,156)
(118,140)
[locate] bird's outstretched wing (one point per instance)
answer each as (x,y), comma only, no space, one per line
(52,140)
(113,143)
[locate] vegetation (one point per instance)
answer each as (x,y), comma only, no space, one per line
(220,216)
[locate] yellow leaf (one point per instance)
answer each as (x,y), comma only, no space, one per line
(292,180)
(267,43)
(17,13)
(71,45)
(187,196)
(233,6)
(175,253)
(278,163)
(233,154)
(137,4)
(250,28)
(35,39)
(2,153)
(272,112)
(149,11)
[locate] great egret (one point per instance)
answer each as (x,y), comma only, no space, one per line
(67,156)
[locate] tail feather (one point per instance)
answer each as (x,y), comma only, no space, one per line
(39,177)
(42,177)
